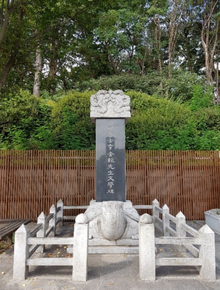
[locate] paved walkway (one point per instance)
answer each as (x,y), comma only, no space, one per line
(106,272)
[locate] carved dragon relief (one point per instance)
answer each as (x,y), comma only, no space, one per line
(110,104)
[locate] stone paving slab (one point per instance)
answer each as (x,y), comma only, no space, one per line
(107,272)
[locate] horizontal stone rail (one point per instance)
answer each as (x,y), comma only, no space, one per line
(190,230)
(160,210)
(36,229)
(73,207)
(109,250)
(61,207)
(143,206)
(177,241)
(171,217)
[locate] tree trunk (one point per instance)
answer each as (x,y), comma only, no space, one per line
(178,7)
(6,70)
(111,59)
(157,36)
(143,61)
(11,6)
(188,51)
(52,70)
(159,47)
(209,44)
(172,30)
(4,26)
(217,97)
(38,69)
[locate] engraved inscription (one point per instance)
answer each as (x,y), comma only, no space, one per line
(110,142)
(110,159)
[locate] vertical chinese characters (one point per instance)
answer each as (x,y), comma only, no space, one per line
(110,148)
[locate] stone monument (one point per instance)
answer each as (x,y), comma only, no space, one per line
(112,219)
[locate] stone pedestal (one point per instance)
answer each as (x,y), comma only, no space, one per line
(112,223)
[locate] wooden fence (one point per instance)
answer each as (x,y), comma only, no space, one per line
(31,181)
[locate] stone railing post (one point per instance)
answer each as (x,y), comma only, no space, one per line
(166,221)
(42,232)
(147,270)
(52,222)
(180,219)
(80,255)
(21,253)
(155,213)
(60,212)
(207,253)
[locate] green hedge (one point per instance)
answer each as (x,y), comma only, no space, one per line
(63,122)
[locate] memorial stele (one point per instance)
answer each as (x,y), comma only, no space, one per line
(112,218)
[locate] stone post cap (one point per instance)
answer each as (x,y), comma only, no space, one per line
(110,104)
(82,219)
(146,219)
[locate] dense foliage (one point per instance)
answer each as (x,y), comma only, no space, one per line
(63,122)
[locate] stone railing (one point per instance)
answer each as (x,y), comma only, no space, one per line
(175,231)
(200,244)
(29,242)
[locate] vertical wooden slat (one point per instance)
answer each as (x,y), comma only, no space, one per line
(2,193)
(7,168)
(216,177)
(11,179)
(39,179)
(47,182)
(32,182)
(26,181)
(23,184)
(49,174)
(2,185)
(213,179)
(187,180)
(66,192)
(17,174)
(18,183)
(8,180)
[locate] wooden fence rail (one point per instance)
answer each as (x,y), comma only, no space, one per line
(30,181)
